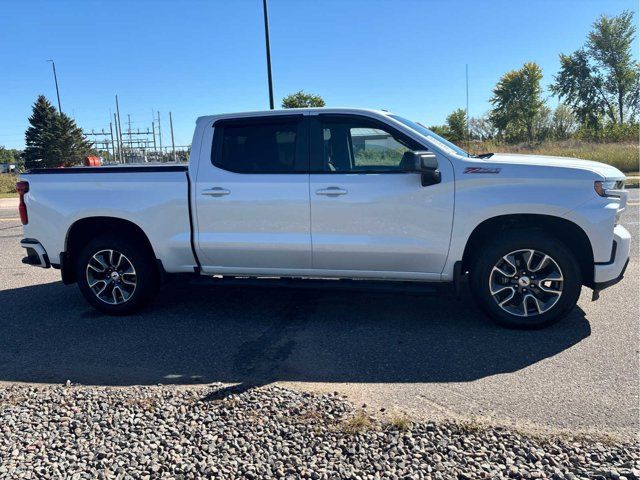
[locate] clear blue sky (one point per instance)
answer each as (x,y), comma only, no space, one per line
(203,57)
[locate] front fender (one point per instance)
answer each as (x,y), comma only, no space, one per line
(482,197)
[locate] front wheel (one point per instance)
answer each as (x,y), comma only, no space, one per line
(116,276)
(526,280)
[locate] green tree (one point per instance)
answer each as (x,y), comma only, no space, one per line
(12,156)
(442,130)
(9,155)
(39,136)
(517,103)
(563,122)
(457,126)
(482,128)
(70,146)
(543,124)
(302,99)
(601,80)
(53,139)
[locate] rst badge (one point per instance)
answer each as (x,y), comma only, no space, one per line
(481,170)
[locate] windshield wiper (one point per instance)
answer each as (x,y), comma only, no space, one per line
(483,155)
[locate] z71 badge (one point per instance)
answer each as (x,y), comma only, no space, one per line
(481,170)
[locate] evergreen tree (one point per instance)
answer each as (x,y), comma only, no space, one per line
(70,146)
(39,135)
(53,139)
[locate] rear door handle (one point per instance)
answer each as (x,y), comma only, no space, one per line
(216,192)
(331,191)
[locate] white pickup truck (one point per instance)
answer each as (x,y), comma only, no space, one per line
(334,194)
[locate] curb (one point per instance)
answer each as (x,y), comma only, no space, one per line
(9,202)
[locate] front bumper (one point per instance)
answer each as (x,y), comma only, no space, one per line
(36,254)
(611,272)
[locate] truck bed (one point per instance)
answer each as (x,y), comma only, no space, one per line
(153,197)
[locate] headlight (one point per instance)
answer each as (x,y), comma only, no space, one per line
(607,188)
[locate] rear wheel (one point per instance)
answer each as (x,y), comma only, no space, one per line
(116,276)
(526,280)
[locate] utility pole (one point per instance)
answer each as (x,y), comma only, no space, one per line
(159,133)
(173,145)
(118,138)
(153,131)
(268,46)
(119,128)
(113,145)
(55,78)
(129,131)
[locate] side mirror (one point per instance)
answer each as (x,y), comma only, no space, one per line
(424,162)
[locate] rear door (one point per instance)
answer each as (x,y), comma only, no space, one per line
(369,214)
(252,198)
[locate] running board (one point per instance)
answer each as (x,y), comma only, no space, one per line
(381,286)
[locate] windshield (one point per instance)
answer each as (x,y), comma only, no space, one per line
(443,143)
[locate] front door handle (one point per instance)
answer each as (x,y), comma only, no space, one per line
(216,192)
(331,191)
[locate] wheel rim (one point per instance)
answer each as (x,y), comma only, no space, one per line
(526,283)
(111,277)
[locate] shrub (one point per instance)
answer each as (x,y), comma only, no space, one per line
(8,184)
(623,156)
(612,132)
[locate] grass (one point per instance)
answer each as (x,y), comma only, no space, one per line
(8,185)
(623,156)
(360,422)
(401,423)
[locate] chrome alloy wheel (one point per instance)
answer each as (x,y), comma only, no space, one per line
(111,277)
(526,283)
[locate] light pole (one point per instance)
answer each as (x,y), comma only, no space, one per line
(266,40)
(55,78)
(466,73)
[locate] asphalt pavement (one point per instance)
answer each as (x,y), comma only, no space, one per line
(426,356)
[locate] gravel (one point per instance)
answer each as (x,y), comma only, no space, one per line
(268,432)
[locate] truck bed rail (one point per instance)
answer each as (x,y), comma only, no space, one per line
(110,169)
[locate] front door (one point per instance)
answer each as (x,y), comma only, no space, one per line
(252,199)
(368,214)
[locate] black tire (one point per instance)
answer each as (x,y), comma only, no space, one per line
(483,278)
(146,276)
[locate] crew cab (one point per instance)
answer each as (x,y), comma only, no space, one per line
(337,194)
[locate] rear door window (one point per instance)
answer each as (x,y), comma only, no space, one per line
(261,145)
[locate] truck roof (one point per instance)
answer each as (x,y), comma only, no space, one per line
(258,113)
